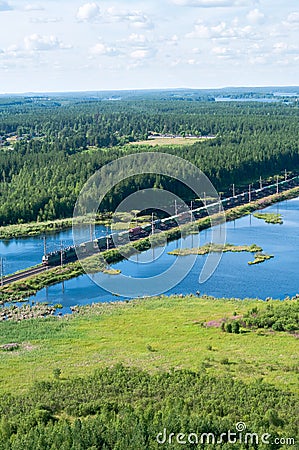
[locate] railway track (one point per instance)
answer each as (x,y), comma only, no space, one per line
(22,275)
(227,203)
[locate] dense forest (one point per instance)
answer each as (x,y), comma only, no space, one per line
(126,408)
(49,147)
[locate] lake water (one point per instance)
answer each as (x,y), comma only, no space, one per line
(247,99)
(22,253)
(233,277)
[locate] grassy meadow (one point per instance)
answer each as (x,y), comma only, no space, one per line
(163,141)
(153,334)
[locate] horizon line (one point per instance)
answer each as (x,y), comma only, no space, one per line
(148,89)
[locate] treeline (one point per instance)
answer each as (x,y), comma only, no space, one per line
(282,317)
(126,408)
(277,316)
(57,148)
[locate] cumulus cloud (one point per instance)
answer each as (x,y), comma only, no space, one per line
(219,50)
(286,49)
(196,51)
(210,3)
(293,17)
(102,49)
(4,6)
(292,20)
(137,38)
(224,52)
(33,7)
(139,53)
(258,60)
(255,16)
(135,18)
(31,48)
(36,42)
(172,41)
(222,30)
(88,12)
(139,20)
(142,53)
(45,19)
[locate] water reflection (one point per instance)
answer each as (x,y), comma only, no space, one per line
(275,278)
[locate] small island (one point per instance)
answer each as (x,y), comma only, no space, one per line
(259,258)
(215,248)
(269,217)
(111,271)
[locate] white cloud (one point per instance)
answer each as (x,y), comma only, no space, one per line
(139,20)
(293,17)
(279,47)
(284,48)
(175,62)
(88,12)
(210,3)
(220,50)
(200,31)
(196,51)
(33,7)
(142,53)
(226,52)
(35,42)
(135,18)
(220,31)
(137,38)
(172,41)
(103,49)
(255,16)
(139,54)
(258,60)
(4,6)
(45,19)
(292,20)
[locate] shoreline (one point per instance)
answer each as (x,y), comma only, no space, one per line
(20,290)
(31,229)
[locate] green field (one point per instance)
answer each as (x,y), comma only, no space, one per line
(152,334)
(162,141)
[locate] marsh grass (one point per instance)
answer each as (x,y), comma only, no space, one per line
(48,227)
(269,217)
(102,335)
(259,258)
(215,248)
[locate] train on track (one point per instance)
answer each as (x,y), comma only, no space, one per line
(103,243)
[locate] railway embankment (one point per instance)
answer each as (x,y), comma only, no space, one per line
(22,289)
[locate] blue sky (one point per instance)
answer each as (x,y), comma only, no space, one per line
(73,45)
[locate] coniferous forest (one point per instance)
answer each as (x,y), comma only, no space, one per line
(50,147)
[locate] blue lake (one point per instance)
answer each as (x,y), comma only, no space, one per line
(277,278)
(247,99)
(22,253)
